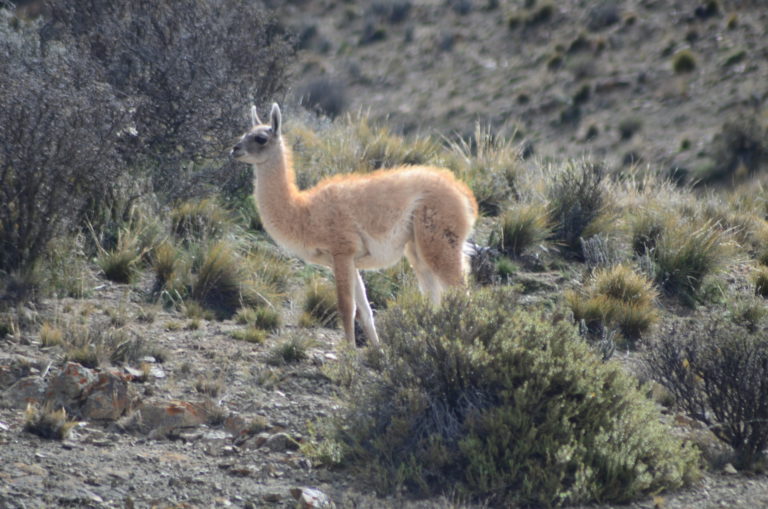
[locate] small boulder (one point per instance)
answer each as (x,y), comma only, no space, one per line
(29,389)
(109,397)
(66,387)
(311,498)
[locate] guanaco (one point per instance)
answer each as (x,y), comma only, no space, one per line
(361,221)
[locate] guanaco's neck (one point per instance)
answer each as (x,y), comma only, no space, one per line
(277,196)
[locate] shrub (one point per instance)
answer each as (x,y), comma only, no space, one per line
(324,97)
(520,228)
(577,199)
(629,126)
(683,62)
(718,373)
(602,250)
(184,65)
(739,150)
(59,128)
(494,401)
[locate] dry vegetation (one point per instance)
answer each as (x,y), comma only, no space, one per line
(505,395)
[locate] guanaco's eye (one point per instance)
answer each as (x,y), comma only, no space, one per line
(261,139)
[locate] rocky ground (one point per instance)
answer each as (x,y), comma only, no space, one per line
(201,420)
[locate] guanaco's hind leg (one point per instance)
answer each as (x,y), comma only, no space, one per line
(364,310)
(345,274)
(439,234)
(428,283)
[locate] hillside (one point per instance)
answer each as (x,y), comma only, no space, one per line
(569,78)
(158,349)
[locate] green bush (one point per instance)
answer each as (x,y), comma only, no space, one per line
(487,399)
(683,62)
(717,371)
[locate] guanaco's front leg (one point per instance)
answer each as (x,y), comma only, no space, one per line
(346,275)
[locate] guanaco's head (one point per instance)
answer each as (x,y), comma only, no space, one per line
(262,142)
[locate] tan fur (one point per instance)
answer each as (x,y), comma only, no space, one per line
(370,221)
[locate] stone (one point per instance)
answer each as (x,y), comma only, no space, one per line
(281,442)
(730,469)
(311,498)
(109,397)
(160,418)
(66,387)
(28,390)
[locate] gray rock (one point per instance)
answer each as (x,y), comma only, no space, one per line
(30,389)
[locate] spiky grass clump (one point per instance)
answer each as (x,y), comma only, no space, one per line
(65,267)
(319,304)
(489,164)
(121,264)
(686,253)
(760,278)
(577,201)
(645,230)
(488,399)
(51,335)
(198,220)
(521,227)
(264,318)
(251,334)
(165,264)
(223,282)
(47,423)
(291,350)
(616,297)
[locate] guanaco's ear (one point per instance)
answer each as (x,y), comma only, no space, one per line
(276,119)
(255,116)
